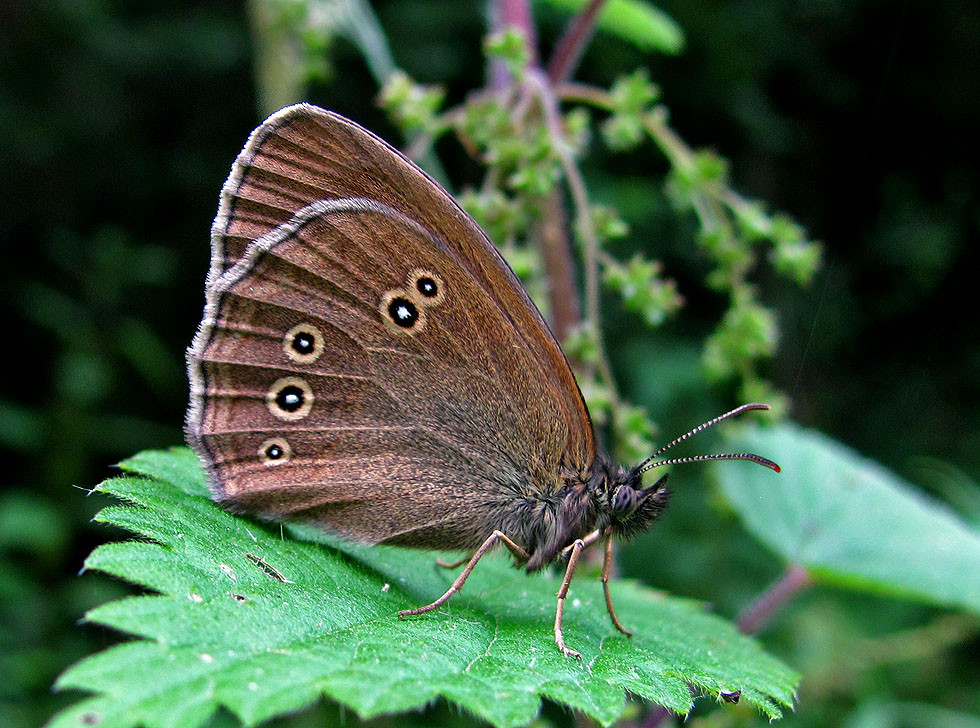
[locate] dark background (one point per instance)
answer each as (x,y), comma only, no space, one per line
(120,121)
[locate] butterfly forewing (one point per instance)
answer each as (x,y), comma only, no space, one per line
(367,360)
(303,154)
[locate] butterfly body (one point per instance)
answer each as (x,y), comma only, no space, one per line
(368,363)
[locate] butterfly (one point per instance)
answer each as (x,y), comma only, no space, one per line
(368,363)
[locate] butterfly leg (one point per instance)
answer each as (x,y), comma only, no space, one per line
(452,564)
(575,549)
(571,553)
(520,555)
(606,568)
(518,552)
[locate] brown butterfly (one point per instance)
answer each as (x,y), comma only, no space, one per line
(368,363)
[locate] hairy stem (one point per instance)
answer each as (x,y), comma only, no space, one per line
(583,221)
(708,208)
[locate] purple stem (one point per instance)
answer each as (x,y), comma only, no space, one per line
(517,14)
(569,50)
(552,234)
(655,717)
(758,614)
(511,14)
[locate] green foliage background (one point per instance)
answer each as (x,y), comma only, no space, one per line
(120,121)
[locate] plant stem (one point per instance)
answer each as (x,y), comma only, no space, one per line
(708,208)
(551,231)
(657,715)
(569,50)
(517,14)
(276,58)
(552,235)
(758,614)
(583,220)
(511,14)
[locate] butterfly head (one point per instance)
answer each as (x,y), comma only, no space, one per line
(631,507)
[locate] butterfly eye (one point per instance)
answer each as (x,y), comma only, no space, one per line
(275,451)
(427,288)
(290,398)
(303,344)
(624,500)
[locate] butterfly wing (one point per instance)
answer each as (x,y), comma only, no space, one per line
(367,360)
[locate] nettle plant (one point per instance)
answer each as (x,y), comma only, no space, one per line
(530,132)
(247,619)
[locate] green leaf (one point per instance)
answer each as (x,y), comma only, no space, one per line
(851,522)
(262,624)
(642,24)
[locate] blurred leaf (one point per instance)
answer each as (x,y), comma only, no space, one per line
(638,22)
(852,522)
(953,484)
(899,714)
(148,354)
(31,524)
(293,42)
(265,626)
(21,427)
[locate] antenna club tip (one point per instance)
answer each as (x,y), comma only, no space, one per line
(765,462)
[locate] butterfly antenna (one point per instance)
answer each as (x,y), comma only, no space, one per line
(652,462)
